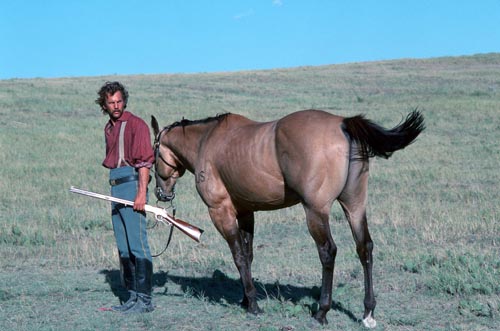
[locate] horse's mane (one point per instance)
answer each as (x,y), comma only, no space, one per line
(185,122)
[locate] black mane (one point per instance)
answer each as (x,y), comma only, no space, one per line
(185,122)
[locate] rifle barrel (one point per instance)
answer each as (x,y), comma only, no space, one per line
(101,196)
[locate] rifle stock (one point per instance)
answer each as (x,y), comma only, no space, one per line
(161,215)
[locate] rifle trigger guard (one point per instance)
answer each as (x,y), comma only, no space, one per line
(159,218)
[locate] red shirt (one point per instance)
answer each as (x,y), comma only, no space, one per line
(137,142)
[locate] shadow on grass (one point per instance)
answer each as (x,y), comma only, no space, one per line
(222,290)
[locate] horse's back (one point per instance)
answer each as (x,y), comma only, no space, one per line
(310,119)
(300,157)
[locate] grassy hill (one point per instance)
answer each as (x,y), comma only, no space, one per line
(433,207)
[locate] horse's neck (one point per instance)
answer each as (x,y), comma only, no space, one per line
(187,141)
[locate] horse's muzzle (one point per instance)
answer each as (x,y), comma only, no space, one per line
(162,196)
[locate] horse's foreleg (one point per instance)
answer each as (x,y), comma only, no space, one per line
(246,230)
(240,241)
(320,231)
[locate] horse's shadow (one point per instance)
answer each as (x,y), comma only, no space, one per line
(223,290)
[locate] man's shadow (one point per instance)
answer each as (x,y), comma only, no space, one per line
(223,290)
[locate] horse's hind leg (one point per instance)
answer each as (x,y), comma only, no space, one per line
(353,202)
(319,229)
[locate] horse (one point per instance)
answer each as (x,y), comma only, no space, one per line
(310,157)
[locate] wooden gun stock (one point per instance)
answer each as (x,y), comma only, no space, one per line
(160,214)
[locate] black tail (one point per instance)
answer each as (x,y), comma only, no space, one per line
(374,140)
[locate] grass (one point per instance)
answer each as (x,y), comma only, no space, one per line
(433,208)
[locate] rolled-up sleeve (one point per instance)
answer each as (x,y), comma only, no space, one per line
(140,153)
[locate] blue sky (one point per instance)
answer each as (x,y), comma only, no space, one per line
(53,38)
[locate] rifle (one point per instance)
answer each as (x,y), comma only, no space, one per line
(160,214)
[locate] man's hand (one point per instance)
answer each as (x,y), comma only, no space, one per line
(140,198)
(140,202)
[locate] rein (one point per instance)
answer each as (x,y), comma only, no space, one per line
(159,192)
(171,229)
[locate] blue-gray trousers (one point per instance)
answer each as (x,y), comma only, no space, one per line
(129,226)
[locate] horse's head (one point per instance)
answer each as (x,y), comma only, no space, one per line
(167,166)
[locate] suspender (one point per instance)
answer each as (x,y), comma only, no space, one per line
(121,146)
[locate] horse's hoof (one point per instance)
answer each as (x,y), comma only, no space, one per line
(251,308)
(255,311)
(369,321)
(321,319)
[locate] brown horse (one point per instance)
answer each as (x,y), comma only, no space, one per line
(310,157)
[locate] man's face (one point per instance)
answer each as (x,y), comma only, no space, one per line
(114,105)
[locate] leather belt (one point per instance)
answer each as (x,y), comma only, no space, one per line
(121,180)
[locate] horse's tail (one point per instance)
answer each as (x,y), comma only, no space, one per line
(374,140)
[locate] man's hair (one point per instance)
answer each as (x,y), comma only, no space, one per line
(111,88)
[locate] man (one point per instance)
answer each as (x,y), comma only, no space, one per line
(129,156)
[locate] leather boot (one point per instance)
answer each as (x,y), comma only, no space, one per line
(129,282)
(144,282)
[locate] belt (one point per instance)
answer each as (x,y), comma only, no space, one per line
(121,180)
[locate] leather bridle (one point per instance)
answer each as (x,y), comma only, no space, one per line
(160,194)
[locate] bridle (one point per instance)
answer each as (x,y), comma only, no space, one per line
(160,194)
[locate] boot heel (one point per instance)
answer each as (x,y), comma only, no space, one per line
(144,304)
(128,304)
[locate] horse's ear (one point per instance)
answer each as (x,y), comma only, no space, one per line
(154,125)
